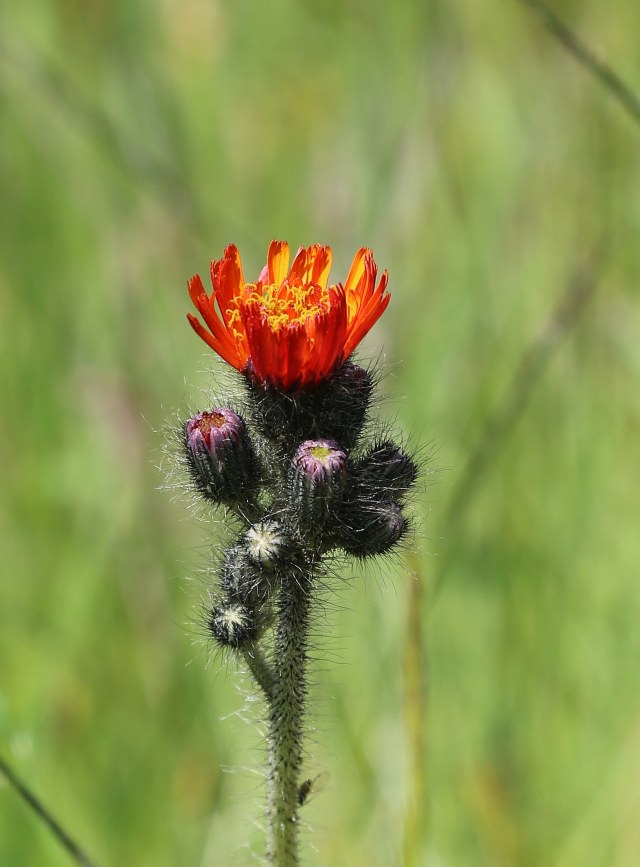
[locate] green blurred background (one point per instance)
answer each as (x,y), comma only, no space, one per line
(487,713)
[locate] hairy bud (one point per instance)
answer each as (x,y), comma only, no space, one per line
(220,455)
(369,528)
(267,543)
(317,479)
(243,579)
(386,472)
(232,624)
(345,403)
(334,409)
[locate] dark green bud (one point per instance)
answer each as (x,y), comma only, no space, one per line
(370,528)
(244,580)
(335,408)
(232,624)
(386,472)
(344,403)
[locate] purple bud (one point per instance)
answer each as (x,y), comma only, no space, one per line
(220,455)
(317,479)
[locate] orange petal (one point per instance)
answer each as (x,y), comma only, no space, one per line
(357,270)
(227,278)
(196,288)
(330,331)
(311,265)
(315,266)
(370,299)
(224,350)
(297,359)
(299,266)
(321,265)
(278,262)
(207,310)
(220,338)
(367,317)
(360,282)
(259,338)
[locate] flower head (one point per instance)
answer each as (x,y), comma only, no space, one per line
(289,329)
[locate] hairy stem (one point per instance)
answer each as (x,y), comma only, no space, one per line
(260,669)
(286,711)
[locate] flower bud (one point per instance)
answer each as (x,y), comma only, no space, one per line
(274,413)
(336,408)
(371,528)
(317,479)
(232,624)
(267,543)
(345,403)
(220,455)
(386,472)
(243,579)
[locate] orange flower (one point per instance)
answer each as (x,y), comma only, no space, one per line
(289,329)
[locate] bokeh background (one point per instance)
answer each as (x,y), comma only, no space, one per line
(478,703)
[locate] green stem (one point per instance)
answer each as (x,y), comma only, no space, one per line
(286,712)
(260,669)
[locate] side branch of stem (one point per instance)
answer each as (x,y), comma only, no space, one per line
(260,669)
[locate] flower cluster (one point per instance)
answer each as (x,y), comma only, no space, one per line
(290,458)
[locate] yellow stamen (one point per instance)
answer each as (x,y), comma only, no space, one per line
(284,303)
(320,452)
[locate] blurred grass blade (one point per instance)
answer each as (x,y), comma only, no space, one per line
(42,813)
(607,77)
(533,362)
(415,709)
